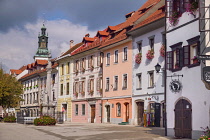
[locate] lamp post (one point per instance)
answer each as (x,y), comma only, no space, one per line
(157,68)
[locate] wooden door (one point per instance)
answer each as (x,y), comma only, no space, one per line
(157,114)
(108,113)
(140,113)
(92,113)
(183,119)
(126,112)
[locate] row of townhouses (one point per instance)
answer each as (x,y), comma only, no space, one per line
(145,71)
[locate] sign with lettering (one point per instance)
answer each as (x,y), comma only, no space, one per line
(203,57)
(206,74)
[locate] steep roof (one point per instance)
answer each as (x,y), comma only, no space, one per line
(17,72)
(72,49)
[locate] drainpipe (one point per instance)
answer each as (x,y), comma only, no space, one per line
(165,74)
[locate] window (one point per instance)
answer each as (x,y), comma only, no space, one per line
(54,96)
(174,58)
(115,82)
(61,89)
(151,79)
(118,105)
(53,79)
(107,84)
(91,85)
(83,65)
(108,59)
(77,65)
(62,69)
(125,53)
(99,84)
(83,109)
(91,61)
(125,81)
(151,42)
(68,68)
(139,46)
(138,81)
(76,109)
(67,89)
(116,56)
(83,87)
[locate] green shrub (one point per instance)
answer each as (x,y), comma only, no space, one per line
(10,119)
(45,120)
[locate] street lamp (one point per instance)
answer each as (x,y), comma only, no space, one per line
(157,67)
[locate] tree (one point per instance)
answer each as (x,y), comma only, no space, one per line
(10,91)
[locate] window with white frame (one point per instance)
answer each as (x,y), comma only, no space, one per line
(108,59)
(67,88)
(118,105)
(115,82)
(125,54)
(62,69)
(83,109)
(107,84)
(151,79)
(125,81)
(116,56)
(76,109)
(139,46)
(151,42)
(138,81)
(92,85)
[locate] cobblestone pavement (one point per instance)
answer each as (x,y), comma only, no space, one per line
(79,131)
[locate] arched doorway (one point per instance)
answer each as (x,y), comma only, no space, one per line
(183,119)
(140,113)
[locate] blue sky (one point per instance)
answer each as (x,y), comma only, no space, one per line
(21,21)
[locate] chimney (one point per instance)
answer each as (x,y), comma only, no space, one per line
(71,43)
(87,35)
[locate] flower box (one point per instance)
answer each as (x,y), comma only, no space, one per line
(150,54)
(138,58)
(174,19)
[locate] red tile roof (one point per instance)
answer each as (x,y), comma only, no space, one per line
(73,48)
(88,39)
(13,71)
(153,17)
(41,62)
(102,33)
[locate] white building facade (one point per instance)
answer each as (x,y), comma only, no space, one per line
(187,96)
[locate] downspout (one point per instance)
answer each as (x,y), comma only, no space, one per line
(165,72)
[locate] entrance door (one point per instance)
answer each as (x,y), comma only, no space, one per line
(157,114)
(126,112)
(140,112)
(64,110)
(92,113)
(183,119)
(108,113)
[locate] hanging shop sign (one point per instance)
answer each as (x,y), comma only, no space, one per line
(206,74)
(203,57)
(175,86)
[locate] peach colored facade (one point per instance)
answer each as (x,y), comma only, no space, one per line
(113,96)
(78,116)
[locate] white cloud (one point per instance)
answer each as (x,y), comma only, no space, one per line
(19,46)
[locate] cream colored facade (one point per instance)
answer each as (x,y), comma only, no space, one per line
(64,87)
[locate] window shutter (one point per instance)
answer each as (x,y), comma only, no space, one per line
(186,55)
(178,56)
(84,63)
(89,62)
(181,58)
(98,60)
(74,87)
(88,85)
(169,60)
(74,66)
(80,87)
(98,84)
(198,48)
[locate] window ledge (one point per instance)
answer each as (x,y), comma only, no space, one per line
(177,69)
(193,65)
(138,88)
(150,87)
(115,63)
(124,88)
(115,89)
(106,90)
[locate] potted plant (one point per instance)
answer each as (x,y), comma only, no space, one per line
(192,7)
(91,68)
(76,94)
(162,51)
(150,54)
(206,135)
(83,70)
(195,59)
(91,92)
(176,65)
(138,58)
(83,93)
(173,20)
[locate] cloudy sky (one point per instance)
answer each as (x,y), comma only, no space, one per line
(65,20)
